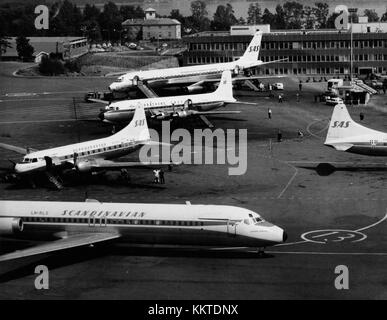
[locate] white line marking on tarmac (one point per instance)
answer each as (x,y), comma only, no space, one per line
(328,253)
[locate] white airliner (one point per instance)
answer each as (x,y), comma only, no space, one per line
(195,73)
(344,134)
(177,106)
(89,156)
(75,224)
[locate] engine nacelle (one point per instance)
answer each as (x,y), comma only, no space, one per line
(84,166)
(194,89)
(9,226)
(161,116)
(182,114)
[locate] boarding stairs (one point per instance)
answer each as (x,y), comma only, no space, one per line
(364,87)
(149,93)
(54,180)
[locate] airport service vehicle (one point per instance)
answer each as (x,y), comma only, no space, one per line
(65,225)
(194,74)
(87,157)
(344,134)
(332,101)
(278,86)
(161,108)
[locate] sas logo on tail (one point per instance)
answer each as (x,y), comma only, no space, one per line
(341,124)
(253,48)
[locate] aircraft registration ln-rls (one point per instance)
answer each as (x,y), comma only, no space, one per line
(64,225)
(176,107)
(344,134)
(196,74)
(90,156)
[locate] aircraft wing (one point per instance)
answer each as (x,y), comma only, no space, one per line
(206,113)
(20,150)
(115,165)
(99,101)
(72,241)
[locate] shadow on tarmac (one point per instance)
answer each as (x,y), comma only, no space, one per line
(23,267)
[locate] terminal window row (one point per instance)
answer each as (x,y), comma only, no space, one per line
(326,58)
(278,45)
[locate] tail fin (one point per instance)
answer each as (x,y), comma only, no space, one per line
(137,129)
(224,90)
(252,52)
(343,127)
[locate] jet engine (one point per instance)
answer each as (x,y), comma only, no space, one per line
(161,116)
(84,166)
(193,89)
(9,226)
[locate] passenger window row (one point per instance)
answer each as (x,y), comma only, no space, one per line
(114,221)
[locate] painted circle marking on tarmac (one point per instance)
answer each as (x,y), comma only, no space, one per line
(333,236)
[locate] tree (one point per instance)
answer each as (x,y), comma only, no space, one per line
(268,17)
(241,21)
(372,15)
(254,14)
(175,14)
(110,22)
(67,21)
(131,12)
(321,11)
(279,19)
(198,21)
(224,18)
(4,44)
(91,13)
(331,20)
(309,18)
(293,14)
(384,17)
(24,49)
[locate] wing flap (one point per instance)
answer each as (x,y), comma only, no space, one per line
(62,244)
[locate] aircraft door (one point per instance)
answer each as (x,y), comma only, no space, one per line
(97,221)
(231,228)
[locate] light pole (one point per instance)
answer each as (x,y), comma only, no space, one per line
(351,12)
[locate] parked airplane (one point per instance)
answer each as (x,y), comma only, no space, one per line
(175,107)
(344,134)
(90,156)
(196,74)
(75,224)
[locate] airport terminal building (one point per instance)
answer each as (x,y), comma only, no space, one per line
(308,52)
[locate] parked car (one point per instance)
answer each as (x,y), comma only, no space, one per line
(278,86)
(332,101)
(132,46)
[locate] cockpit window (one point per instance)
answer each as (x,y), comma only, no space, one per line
(34,160)
(26,160)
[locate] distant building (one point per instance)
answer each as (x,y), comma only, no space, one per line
(308,52)
(152,27)
(64,47)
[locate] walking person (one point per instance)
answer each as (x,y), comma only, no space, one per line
(269,113)
(300,86)
(162,180)
(280,99)
(298,97)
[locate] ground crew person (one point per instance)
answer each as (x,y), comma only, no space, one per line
(279,135)
(300,86)
(156,173)
(298,97)
(280,99)
(361,116)
(269,113)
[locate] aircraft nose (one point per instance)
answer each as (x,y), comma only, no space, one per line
(18,168)
(101,115)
